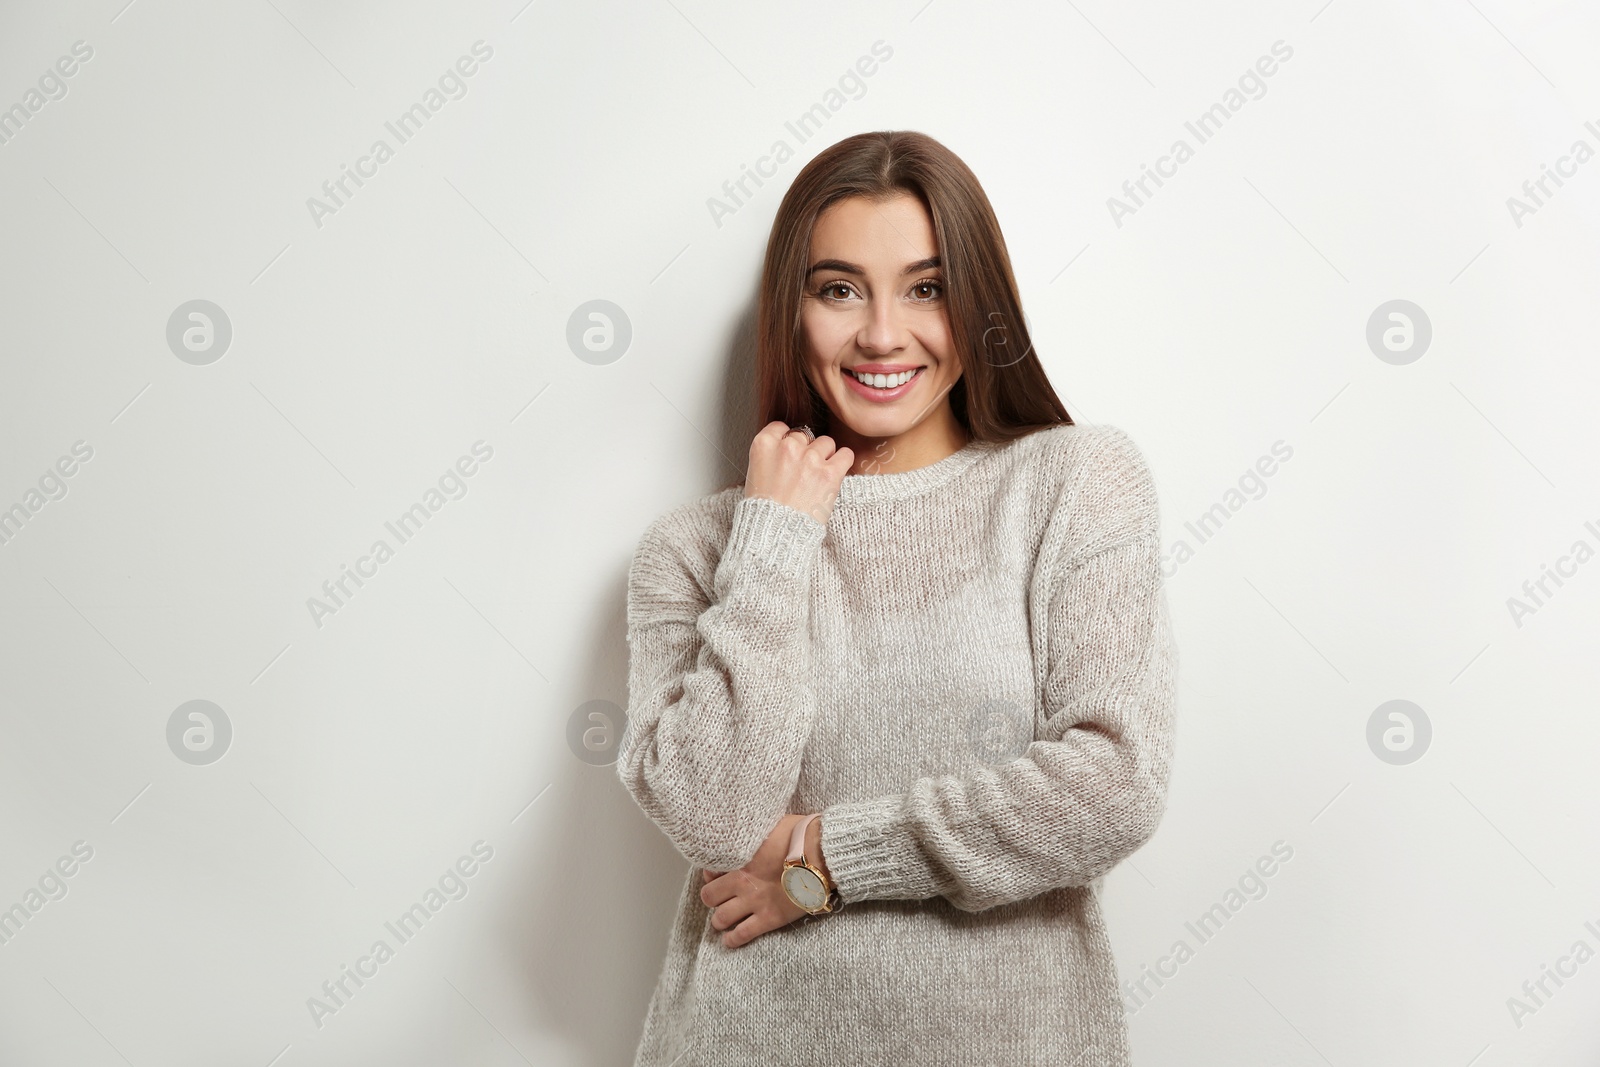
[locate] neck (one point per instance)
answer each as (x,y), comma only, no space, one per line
(929,441)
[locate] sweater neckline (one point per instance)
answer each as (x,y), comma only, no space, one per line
(897,485)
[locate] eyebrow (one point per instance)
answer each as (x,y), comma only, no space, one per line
(842,267)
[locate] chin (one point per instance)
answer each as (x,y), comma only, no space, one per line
(875,427)
(885,430)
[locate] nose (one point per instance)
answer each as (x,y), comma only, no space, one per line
(884,329)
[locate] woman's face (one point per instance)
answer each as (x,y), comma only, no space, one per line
(874,302)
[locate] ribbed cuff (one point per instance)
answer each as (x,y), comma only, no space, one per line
(859,854)
(783,537)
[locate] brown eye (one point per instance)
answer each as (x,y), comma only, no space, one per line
(937,287)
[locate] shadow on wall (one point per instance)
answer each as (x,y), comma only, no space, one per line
(739,416)
(597,883)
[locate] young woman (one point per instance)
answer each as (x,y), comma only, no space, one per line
(912,682)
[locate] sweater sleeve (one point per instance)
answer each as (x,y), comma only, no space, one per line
(719,704)
(1091,787)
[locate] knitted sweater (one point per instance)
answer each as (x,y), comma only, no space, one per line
(970,672)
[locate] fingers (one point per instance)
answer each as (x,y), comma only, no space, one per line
(718,890)
(731,913)
(747,931)
(822,447)
(804,473)
(742,907)
(781,432)
(778,430)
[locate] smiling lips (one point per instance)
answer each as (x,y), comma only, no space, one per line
(882,382)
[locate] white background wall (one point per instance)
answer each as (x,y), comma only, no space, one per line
(433,710)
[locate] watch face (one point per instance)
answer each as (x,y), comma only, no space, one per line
(805,888)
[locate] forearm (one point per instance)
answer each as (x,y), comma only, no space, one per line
(1088,792)
(720,708)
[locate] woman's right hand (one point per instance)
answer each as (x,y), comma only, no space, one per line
(788,467)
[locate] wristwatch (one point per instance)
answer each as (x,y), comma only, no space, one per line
(810,889)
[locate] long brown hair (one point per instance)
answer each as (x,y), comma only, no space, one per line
(1003,392)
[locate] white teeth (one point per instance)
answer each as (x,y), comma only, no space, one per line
(884,381)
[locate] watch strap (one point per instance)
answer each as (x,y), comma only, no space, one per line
(797,839)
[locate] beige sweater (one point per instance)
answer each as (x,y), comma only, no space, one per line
(970,672)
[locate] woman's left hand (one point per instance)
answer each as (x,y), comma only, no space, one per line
(750,901)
